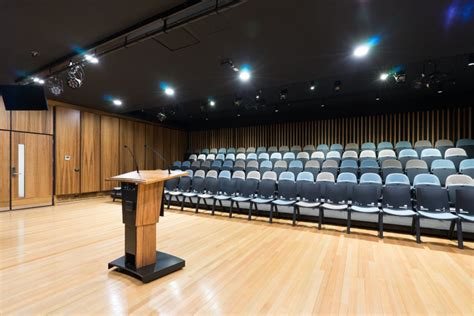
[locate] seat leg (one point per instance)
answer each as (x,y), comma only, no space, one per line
(418,229)
(294,214)
(213,206)
(348,220)
(380,224)
(231,208)
(451,229)
(205,203)
(270,220)
(222,207)
(169,201)
(320,217)
(182,203)
(250,212)
(459,232)
(197,204)
(413,225)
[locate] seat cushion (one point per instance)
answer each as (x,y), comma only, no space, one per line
(261,201)
(222,197)
(399,212)
(189,194)
(205,196)
(240,199)
(336,207)
(467,217)
(283,202)
(365,209)
(308,204)
(175,193)
(438,215)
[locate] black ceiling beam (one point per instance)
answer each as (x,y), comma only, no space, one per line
(180,15)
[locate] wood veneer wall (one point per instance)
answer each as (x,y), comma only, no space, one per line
(447,123)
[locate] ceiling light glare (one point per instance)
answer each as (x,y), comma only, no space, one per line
(384,76)
(244,74)
(361,50)
(117,102)
(91,58)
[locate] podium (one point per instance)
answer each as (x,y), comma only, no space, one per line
(142,204)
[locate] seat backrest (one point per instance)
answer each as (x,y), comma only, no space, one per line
(211,157)
(302,156)
(308,190)
(231,150)
(369,163)
(213,151)
(312,164)
(220,157)
(267,186)
(280,164)
(252,165)
(295,148)
(186,164)
(431,152)
(325,176)
(459,179)
(261,149)
(263,156)
(275,156)
(416,164)
(350,154)
(349,164)
(216,164)
(443,145)
(323,148)
(408,153)
(397,179)
(266,165)
(318,155)
(250,150)
(387,153)
(287,185)
(185,181)
(384,146)
(335,193)
(230,157)
(198,180)
(426,179)
(222,150)
(347,177)
(240,156)
(252,156)
(239,165)
(365,195)
(467,145)
(196,164)
(370,178)
(336,147)
(421,145)
(228,164)
(466,164)
(284,149)
(239,174)
(309,149)
(272,149)
(392,163)
(442,164)
(397,197)
(334,155)
(433,199)
(455,152)
(205,151)
(403,145)
(250,186)
(241,150)
(201,157)
(368,146)
(330,164)
(305,176)
(206,165)
(352,146)
(465,200)
(367,154)
(288,156)
(295,165)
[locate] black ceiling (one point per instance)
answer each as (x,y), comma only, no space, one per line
(286,43)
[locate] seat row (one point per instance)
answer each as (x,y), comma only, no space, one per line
(427,199)
(442,168)
(442,145)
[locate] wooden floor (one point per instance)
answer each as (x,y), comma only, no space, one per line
(54,261)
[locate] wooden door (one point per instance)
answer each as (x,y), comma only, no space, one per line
(110,150)
(31,170)
(90,152)
(68,160)
(4,170)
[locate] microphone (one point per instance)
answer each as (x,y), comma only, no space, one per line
(159,156)
(133,157)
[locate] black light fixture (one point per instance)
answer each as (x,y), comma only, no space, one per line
(337,85)
(312,85)
(283,94)
(75,77)
(55,85)
(161,116)
(230,63)
(471,60)
(400,76)
(237,101)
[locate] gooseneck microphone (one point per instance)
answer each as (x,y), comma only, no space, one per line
(133,157)
(159,156)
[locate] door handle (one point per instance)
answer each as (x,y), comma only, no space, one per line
(14,173)
(77,169)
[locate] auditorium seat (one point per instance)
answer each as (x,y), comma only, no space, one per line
(443,144)
(263,156)
(415,167)
(455,182)
(252,165)
(421,145)
(313,167)
(467,167)
(196,165)
(456,155)
(272,149)
(205,151)
(250,150)
(386,154)
(390,166)
(426,180)
(192,157)
(347,182)
(228,165)
(206,165)
(245,189)
(334,155)
(265,165)
(365,200)
(303,157)
(295,149)
(464,210)
(335,199)
(350,155)
(230,156)
(368,146)
(201,157)
(433,203)
(369,166)
(240,150)
(323,148)
(396,201)
(216,165)
(352,147)
(336,147)
(324,179)
(309,149)
(211,157)
(397,179)
(241,156)
(266,191)
(239,165)
(213,151)
(186,165)
(222,150)
(330,166)
(274,157)
(384,146)
(171,185)
(289,156)
(295,166)
(251,156)
(309,195)
(407,154)
(231,150)
(261,149)
(279,166)
(429,155)
(319,156)
(226,187)
(176,165)
(349,166)
(367,154)
(220,157)
(442,168)
(286,193)
(197,187)
(372,179)
(402,145)
(284,149)
(210,189)
(467,145)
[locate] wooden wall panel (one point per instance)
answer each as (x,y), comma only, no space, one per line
(158,144)
(68,126)
(33,121)
(139,141)
(149,141)
(109,149)
(90,152)
(446,123)
(4,170)
(4,116)
(126,139)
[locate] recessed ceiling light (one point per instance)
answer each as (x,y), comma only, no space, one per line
(471,60)
(244,73)
(91,58)
(383,76)
(312,86)
(117,102)
(361,50)
(169,91)
(212,102)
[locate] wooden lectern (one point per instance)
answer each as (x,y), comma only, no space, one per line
(142,197)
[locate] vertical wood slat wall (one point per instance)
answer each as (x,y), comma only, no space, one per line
(448,123)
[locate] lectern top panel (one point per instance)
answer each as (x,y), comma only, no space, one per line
(147,176)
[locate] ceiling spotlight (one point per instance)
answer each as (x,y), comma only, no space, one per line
(161,116)
(258,95)
(212,102)
(169,91)
(322,103)
(230,63)
(337,85)
(238,114)
(440,88)
(400,76)
(56,86)
(244,74)
(471,60)
(91,58)
(377,97)
(75,77)
(312,86)
(117,102)
(361,50)
(383,76)
(276,110)
(38,80)
(283,94)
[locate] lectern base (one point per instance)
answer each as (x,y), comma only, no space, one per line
(165,264)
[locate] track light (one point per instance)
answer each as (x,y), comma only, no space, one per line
(323,104)
(244,74)
(337,85)
(377,97)
(471,60)
(258,96)
(56,86)
(91,58)
(312,86)
(440,88)
(161,116)
(361,50)
(75,77)
(383,76)
(38,80)
(169,91)
(117,102)
(211,102)
(283,94)
(400,76)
